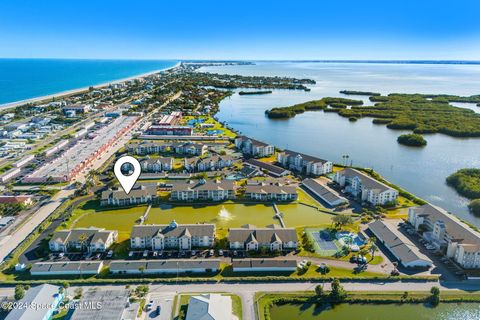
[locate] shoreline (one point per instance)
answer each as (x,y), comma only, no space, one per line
(14,104)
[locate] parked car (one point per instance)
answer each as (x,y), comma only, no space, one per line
(145,253)
(110,254)
(149,305)
(220,252)
(158,310)
(155,253)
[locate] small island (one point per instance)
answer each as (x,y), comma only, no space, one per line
(360,93)
(412,140)
(467,183)
(242,93)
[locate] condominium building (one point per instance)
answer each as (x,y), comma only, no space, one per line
(303,163)
(203,190)
(365,188)
(157,164)
(273,238)
(270,192)
(138,195)
(212,163)
(254,147)
(82,239)
(448,234)
(172,236)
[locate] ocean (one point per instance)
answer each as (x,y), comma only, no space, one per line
(22,79)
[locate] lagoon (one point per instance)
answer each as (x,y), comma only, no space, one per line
(421,171)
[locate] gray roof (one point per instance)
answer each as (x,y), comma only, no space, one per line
(322,191)
(270,188)
(113,304)
(120,265)
(67,266)
(264,263)
(195,230)
(208,185)
(44,294)
(456,229)
(304,156)
(367,181)
(262,235)
(255,142)
(397,243)
(267,166)
(92,234)
(162,160)
(138,192)
(209,307)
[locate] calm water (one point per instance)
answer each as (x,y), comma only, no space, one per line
(465,311)
(22,79)
(421,171)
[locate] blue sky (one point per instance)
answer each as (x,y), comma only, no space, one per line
(148,29)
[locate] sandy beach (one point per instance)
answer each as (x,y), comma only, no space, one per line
(74,91)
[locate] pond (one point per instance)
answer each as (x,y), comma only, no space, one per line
(445,311)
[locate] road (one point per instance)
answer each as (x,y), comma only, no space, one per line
(163,294)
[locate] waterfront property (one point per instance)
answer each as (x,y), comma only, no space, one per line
(264,265)
(212,163)
(270,192)
(138,195)
(399,245)
(82,239)
(254,147)
(172,236)
(330,196)
(161,130)
(203,190)
(210,307)
(272,238)
(157,164)
(270,168)
(303,163)
(364,187)
(171,266)
(447,234)
(66,268)
(45,295)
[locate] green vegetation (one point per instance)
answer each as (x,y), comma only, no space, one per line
(418,112)
(466,182)
(254,92)
(19,292)
(322,104)
(183,300)
(360,93)
(412,140)
(474,206)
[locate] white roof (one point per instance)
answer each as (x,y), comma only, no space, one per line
(209,307)
(42,295)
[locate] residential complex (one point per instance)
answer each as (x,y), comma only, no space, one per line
(203,190)
(82,239)
(157,164)
(254,147)
(447,234)
(399,245)
(364,187)
(211,163)
(321,190)
(138,195)
(270,192)
(303,163)
(172,236)
(272,238)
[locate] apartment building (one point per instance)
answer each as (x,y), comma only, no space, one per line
(82,239)
(303,163)
(203,190)
(254,147)
(448,234)
(172,236)
(364,187)
(272,238)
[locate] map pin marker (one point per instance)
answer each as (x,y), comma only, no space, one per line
(127,169)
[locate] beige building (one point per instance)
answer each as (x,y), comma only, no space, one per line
(448,234)
(82,239)
(273,238)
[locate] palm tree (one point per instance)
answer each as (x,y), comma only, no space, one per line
(373,249)
(82,239)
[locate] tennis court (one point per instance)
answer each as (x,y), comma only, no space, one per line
(323,242)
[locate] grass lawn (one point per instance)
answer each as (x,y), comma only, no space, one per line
(217,125)
(181,305)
